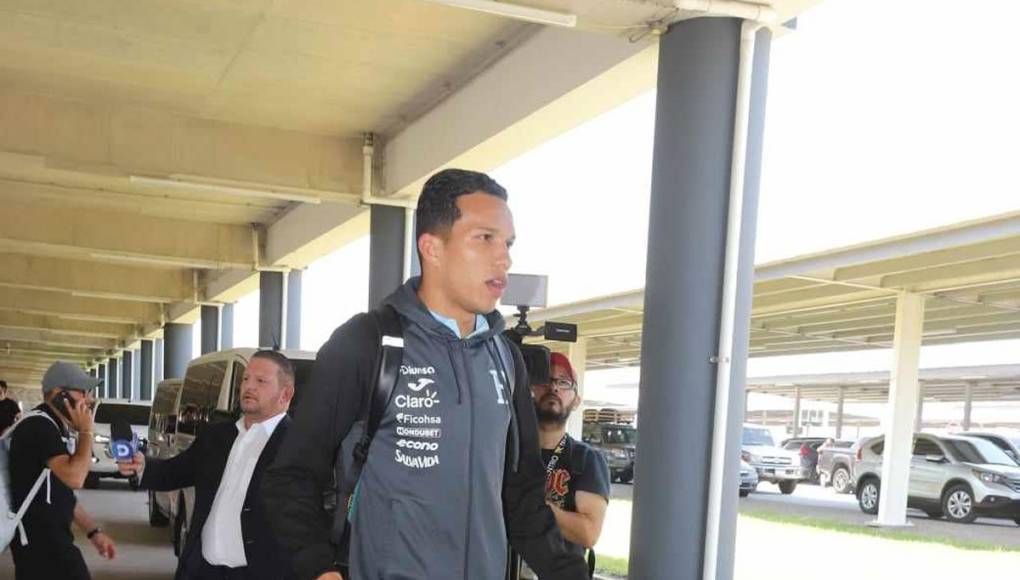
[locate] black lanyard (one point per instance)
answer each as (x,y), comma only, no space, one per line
(556,454)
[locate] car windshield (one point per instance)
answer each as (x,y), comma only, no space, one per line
(757,436)
(976,450)
(107,413)
(619,435)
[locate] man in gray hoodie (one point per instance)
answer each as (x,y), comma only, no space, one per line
(455,469)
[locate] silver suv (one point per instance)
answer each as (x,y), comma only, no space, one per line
(773,464)
(958,477)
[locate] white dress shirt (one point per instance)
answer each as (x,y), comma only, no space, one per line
(222,542)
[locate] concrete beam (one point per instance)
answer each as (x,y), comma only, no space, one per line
(552,82)
(20,321)
(123,237)
(77,308)
(95,279)
(56,339)
(117,140)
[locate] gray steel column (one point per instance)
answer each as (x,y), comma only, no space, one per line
(968,405)
(698,64)
(385,253)
(227,326)
(101,375)
(176,349)
(272,295)
(839,413)
(113,372)
(210,328)
(145,368)
(126,374)
(157,361)
(293,333)
(136,375)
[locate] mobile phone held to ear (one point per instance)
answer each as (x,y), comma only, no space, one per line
(66,401)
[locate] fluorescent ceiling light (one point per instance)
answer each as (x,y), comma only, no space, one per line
(515,11)
(219,189)
(943,332)
(116,296)
(156,260)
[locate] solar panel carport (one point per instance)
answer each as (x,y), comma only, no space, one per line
(958,283)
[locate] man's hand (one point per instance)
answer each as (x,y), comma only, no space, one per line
(104,545)
(330,576)
(80,415)
(134,467)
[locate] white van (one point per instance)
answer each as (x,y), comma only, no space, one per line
(162,428)
(210,393)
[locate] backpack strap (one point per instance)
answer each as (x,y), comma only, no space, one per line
(44,475)
(387,372)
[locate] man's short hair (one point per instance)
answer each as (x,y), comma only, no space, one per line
(3,385)
(437,206)
(283,365)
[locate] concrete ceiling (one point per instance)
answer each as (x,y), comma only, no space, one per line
(155,154)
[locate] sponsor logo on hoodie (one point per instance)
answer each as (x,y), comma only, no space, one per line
(414,371)
(413,462)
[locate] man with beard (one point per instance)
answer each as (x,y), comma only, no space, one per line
(577,484)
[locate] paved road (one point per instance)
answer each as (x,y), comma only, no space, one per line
(143,552)
(823,503)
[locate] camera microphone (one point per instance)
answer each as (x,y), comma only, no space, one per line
(123,444)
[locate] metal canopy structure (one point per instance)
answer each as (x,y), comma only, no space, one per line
(845,299)
(942,385)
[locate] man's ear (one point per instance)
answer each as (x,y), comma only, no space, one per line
(431,248)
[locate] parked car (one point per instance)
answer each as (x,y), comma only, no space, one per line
(618,443)
(162,427)
(1009,444)
(807,447)
(836,465)
(773,464)
(210,393)
(103,465)
(748,478)
(954,476)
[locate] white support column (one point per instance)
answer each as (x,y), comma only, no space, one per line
(968,404)
(904,390)
(839,413)
(578,355)
(796,413)
(919,417)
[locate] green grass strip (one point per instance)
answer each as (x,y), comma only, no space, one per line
(611,566)
(885,533)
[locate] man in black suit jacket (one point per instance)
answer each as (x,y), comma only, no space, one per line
(230,536)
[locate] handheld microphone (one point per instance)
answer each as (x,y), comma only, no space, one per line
(123,444)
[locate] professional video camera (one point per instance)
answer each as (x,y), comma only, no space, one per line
(527,291)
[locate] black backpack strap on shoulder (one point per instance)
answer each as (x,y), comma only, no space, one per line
(391,354)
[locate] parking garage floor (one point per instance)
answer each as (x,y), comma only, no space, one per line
(143,552)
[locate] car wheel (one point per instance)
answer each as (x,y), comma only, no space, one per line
(958,504)
(1017,520)
(744,493)
(841,480)
(934,514)
(157,519)
(92,481)
(787,487)
(867,496)
(627,476)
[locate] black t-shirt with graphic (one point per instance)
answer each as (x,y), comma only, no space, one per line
(580,468)
(33,443)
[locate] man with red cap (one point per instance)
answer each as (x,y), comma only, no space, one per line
(577,484)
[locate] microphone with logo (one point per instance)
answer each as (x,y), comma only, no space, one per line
(123,444)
